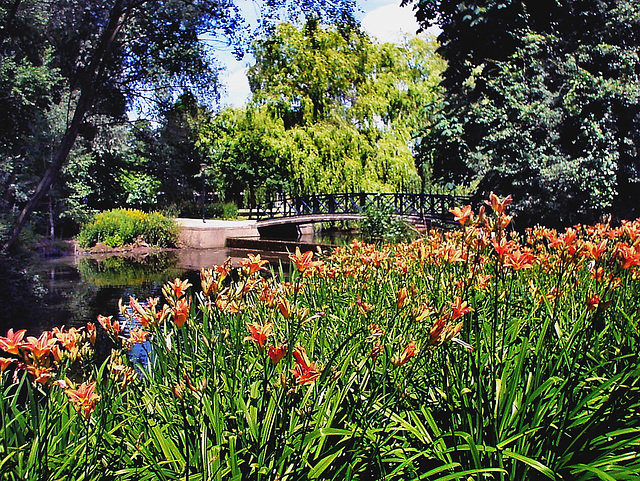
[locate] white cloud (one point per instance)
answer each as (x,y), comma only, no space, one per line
(390,23)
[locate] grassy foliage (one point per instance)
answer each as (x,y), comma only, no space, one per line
(120,227)
(467,355)
(216,210)
(380,224)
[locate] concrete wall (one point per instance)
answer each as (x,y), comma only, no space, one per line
(213,233)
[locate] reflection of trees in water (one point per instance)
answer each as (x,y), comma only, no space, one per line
(58,292)
(129,270)
(20,294)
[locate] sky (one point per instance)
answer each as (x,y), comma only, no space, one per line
(383,19)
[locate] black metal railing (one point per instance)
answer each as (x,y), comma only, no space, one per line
(426,207)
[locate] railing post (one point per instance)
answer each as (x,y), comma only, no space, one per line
(443,207)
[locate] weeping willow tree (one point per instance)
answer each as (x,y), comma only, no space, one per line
(331,111)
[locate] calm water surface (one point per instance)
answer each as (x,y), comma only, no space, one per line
(74,290)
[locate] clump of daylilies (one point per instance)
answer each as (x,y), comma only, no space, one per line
(43,356)
(363,323)
(51,356)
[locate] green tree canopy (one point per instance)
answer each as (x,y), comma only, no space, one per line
(97,59)
(331,111)
(543,101)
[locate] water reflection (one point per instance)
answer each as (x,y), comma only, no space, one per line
(73,290)
(140,354)
(128,270)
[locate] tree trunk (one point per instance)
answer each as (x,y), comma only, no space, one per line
(5,30)
(87,96)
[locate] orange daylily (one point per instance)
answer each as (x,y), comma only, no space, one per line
(464,215)
(408,352)
(459,309)
(181,311)
(254,263)
(84,398)
(144,312)
(91,329)
(178,390)
(41,346)
(436,330)
(108,324)
(503,247)
(277,353)
(503,221)
(303,262)
(207,282)
(120,373)
(566,241)
(69,339)
(13,341)
(498,205)
(41,374)
(593,302)
(520,260)
(594,250)
(212,279)
(402,297)
(630,256)
(259,333)
(285,307)
(597,273)
(5,362)
(305,371)
(227,306)
(138,336)
(482,281)
(58,355)
(179,287)
(223,270)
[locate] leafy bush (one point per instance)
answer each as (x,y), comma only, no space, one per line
(120,227)
(474,354)
(379,224)
(217,210)
(223,210)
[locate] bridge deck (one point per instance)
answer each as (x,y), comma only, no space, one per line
(308,219)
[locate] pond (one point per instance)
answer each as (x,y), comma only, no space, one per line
(73,290)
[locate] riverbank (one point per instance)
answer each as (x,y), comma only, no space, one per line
(194,234)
